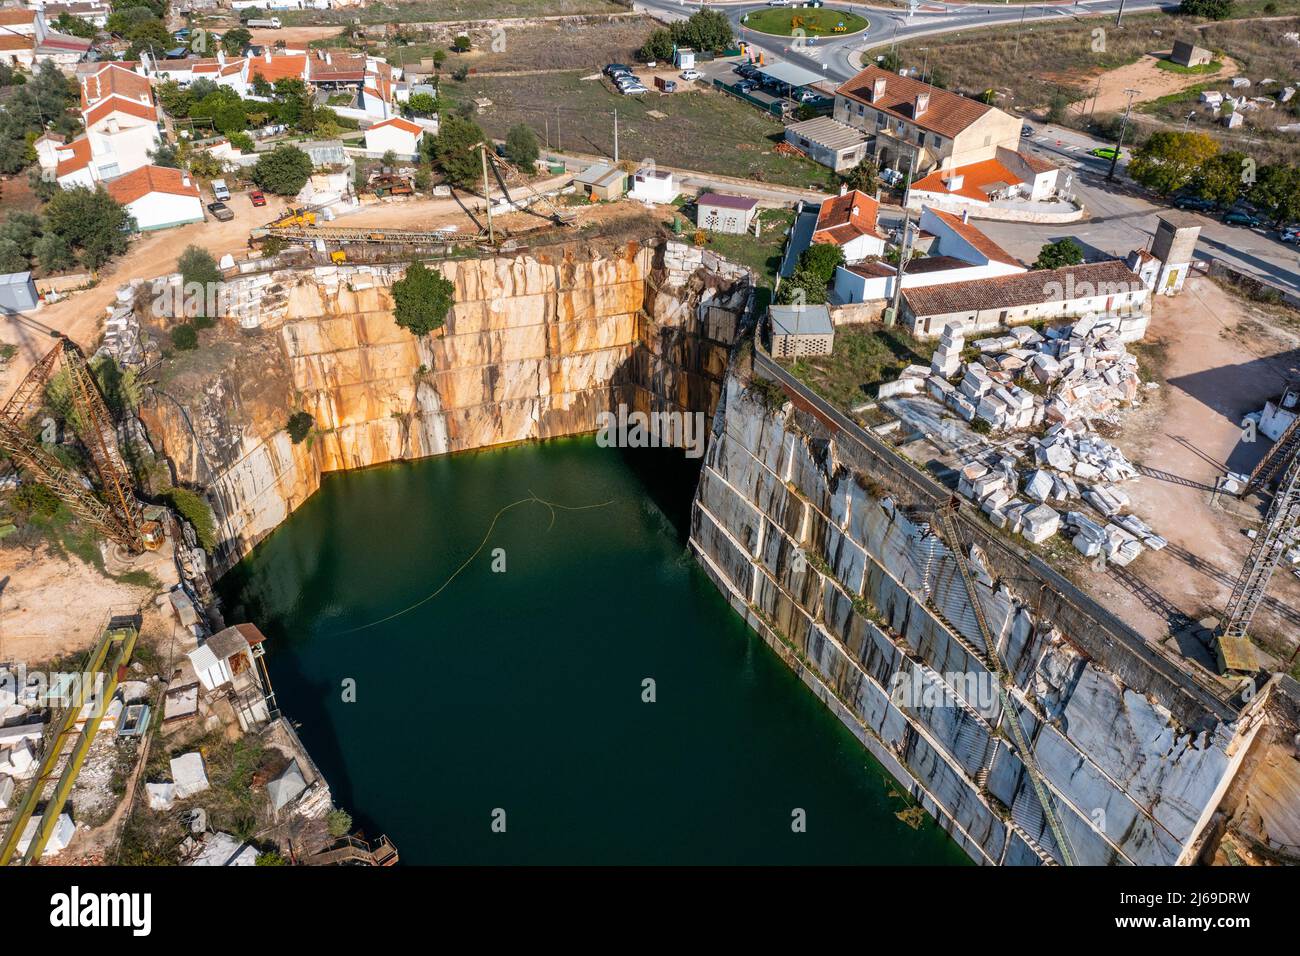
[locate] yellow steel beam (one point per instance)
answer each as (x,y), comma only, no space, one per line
(65,721)
(126,637)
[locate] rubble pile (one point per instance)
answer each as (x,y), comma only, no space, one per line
(1069,373)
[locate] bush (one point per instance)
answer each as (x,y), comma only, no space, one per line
(339,822)
(422,298)
(1211,9)
(461,44)
(194,508)
(1062,252)
(185,337)
(299,426)
(522,148)
(270,858)
(283,171)
(35,500)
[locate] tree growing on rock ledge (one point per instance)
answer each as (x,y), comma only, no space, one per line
(422,298)
(299,425)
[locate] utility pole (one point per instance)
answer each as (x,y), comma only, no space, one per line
(559,144)
(1023,9)
(1187,119)
(1119,17)
(487,193)
(905,250)
(1123,126)
(615,137)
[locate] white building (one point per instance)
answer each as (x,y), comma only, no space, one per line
(849,221)
(719,212)
(158,197)
(653,185)
(121,128)
(396,134)
(27,40)
(957,252)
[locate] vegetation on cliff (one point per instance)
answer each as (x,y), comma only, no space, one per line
(421,299)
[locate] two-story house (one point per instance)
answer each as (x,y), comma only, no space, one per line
(902,117)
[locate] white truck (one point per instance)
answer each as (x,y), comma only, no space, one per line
(220,191)
(271,23)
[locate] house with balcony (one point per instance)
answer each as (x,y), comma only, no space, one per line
(121,118)
(902,116)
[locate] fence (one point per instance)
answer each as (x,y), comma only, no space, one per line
(773,109)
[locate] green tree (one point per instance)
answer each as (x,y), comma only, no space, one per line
(658,46)
(421,299)
(865,177)
(149,36)
(299,426)
(11,257)
(1062,252)
(461,44)
(270,858)
(1168,160)
(91,223)
(53,253)
(707,30)
(522,148)
(283,171)
(452,150)
(1277,190)
(194,508)
(234,41)
(820,260)
(1211,9)
(1219,179)
(197,267)
(339,822)
(439,57)
(422,104)
(75,26)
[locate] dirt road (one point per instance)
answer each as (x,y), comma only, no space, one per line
(1143,75)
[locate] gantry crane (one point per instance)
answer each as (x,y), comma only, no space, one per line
(1271,542)
(115,512)
(946,516)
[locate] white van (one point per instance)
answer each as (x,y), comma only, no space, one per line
(219,190)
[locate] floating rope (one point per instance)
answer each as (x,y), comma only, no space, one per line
(482,544)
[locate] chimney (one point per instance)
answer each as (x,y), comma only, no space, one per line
(878,89)
(954,182)
(221,57)
(921,105)
(185,181)
(854,213)
(844,188)
(266,55)
(965,215)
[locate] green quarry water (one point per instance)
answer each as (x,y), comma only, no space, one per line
(522,690)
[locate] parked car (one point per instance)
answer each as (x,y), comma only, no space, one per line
(1290,234)
(613,68)
(1242,217)
(221,211)
(746,86)
(634,90)
(691,74)
(257,197)
(1104,152)
(220,191)
(1194,203)
(778,3)
(1026,130)
(652,64)
(745,69)
(807,96)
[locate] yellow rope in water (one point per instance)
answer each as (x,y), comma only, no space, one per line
(495,518)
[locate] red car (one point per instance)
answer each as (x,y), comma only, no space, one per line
(257,197)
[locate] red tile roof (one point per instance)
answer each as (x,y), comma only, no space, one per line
(151,179)
(114,80)
(119,104)
(844,218)
(406,126)
(10,42)
(284,67)
(948,113)
(73,156)
(16,18)
(978,180)
(1024,288)
(976,238)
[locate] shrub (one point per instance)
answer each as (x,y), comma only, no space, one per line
(35,500)
(522,148)
(283,171)
(194,508)
(299,426)
(422,298)
(270,858)
(185,337)
(339,822)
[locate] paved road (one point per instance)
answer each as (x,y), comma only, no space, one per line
(840,58)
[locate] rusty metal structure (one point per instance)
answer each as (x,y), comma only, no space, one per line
(114,512)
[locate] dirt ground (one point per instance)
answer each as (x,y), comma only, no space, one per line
(54,605)
(1143,75)
(294,36)
(1219,357)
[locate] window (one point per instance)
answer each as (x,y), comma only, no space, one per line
(881,121)
(109,171)
(938,141)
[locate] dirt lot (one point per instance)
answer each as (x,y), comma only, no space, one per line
(706,130)
(548,46)
(1145,75)
(294,36)
(1220,357)
(449,10)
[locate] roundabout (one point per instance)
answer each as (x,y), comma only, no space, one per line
(815,22)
